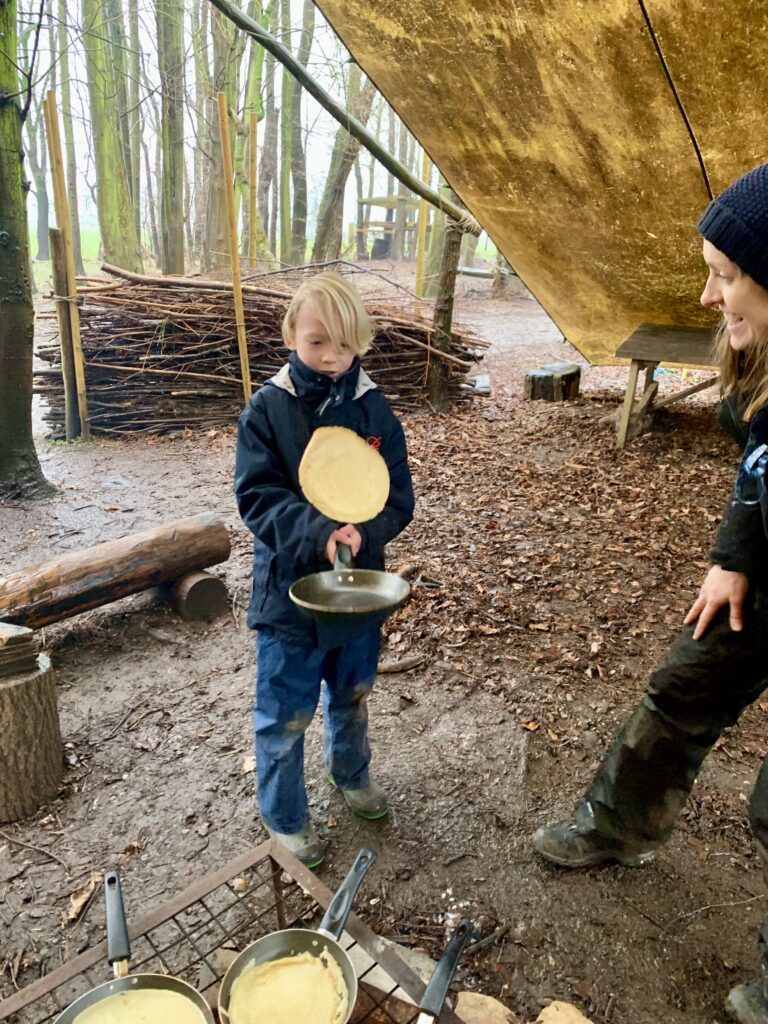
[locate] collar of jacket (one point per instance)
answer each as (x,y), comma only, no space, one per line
(298,380)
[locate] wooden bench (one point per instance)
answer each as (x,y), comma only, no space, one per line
(647,347)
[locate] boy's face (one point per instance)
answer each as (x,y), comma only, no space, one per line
(314,347)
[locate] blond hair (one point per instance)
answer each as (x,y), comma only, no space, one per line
(338,306)
(744,372)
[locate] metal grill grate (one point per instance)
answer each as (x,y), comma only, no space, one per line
(263,891)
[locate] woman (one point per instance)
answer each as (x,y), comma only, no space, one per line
(719,663)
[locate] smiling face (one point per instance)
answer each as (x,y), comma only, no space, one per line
(314,346)
(742,301)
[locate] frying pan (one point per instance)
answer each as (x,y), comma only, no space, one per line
(294,941)
(432,1001)
(345,592)
(119,953)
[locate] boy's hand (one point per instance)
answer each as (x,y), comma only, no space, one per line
(348,534)
(720,588)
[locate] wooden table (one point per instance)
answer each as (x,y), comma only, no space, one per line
(647,347)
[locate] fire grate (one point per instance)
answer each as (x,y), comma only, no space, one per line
(264,890)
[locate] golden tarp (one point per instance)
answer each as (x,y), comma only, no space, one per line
(559,125)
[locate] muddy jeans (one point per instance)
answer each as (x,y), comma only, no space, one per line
(288,684)
(701,688)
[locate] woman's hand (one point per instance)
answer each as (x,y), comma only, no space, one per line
(720,588)
(349,535)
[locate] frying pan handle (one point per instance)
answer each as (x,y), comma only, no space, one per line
(337,913)
(118,943)
(344,559)
(434,994)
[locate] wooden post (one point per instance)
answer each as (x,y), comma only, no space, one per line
(59,263)
(437,370)
(30,738)
(237,291)
(61,205)
(253,209)
(421,231)
(198,596)
(79,580)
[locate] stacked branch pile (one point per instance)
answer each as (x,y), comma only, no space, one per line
(161,354)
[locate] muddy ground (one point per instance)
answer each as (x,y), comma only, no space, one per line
(553,573)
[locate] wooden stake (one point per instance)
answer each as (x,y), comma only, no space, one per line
(59,261)
(61,205)
(421,230)
(237,292)
(253,212)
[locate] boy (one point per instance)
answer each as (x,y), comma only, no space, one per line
(327,329)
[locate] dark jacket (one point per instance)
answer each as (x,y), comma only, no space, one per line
(742,540)
(290,536)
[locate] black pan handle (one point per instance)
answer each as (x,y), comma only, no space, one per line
(344,559)
(434,994)
(337,913)
(118,943)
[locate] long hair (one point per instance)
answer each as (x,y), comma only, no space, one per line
(743,373)
(338,305)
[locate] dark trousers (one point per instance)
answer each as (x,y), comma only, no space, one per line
(701,688)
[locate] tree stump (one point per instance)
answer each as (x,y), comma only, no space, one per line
(198,597)
(554,382)
(31,764)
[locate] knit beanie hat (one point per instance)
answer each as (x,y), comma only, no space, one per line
(736,223)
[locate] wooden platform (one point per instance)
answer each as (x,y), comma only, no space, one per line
(647,347)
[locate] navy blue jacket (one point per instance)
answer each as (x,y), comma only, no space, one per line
(290,536)
(742,540)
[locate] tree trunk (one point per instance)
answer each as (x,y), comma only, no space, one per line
(170,51)
(95,576)
(30,738)
(134,111)
(268,163)
(203,155)
(401,213)
(437,374)
(119,241)
(38,165)
(227,53)
(330,219)
(298,156)
(286,140)
(361,252)
(20,472)
(69,136)
(151,206)
(435,250)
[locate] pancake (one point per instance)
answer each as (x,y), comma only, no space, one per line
(290,990)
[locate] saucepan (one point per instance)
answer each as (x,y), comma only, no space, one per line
(432,1001)
(132,997)
(244,986)
(345,592)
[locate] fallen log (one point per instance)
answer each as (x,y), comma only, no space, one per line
(198,597)
(81,580)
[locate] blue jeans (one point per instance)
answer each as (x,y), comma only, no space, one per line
(288,684)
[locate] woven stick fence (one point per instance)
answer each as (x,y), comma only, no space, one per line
(161,354)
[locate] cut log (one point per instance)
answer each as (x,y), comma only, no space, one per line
(86,579)
(30,740)
(554,382)
(198,597)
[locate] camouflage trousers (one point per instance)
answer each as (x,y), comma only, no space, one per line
(701,688)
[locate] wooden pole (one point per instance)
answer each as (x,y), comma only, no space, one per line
(237,291)
(421,231)
(59,262)
(61,205)
(253,210)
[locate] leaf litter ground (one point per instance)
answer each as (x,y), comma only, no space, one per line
(550,574)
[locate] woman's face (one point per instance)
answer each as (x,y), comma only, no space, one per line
(742,301)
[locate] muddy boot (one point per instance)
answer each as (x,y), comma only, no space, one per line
(747,1003)
(305,844)
(370,802)
(566,846)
